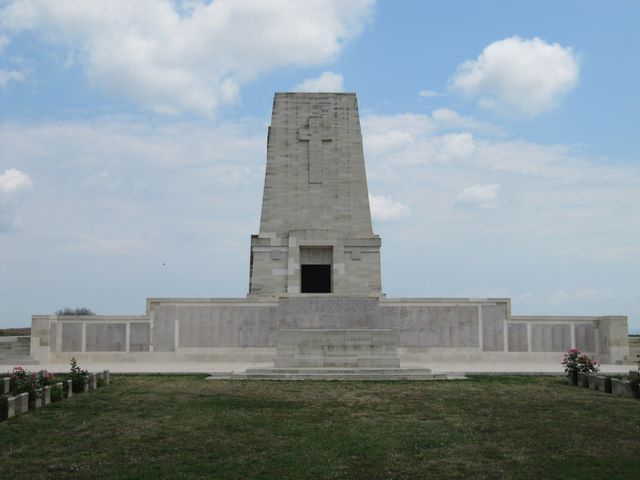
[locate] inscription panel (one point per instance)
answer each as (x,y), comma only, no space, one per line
(337,348)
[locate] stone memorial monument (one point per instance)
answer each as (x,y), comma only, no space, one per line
(315,299)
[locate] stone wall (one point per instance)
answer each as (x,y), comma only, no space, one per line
(634,349)
(243,330)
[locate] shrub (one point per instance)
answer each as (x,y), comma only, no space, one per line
(22,381)
(57,393)
(575,362)
(78,376)
(44,379)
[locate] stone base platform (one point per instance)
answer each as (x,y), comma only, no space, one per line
(338,348)
(334,374)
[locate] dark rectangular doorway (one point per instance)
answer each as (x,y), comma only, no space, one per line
(315,278)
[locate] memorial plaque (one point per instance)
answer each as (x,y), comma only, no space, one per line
(349,348)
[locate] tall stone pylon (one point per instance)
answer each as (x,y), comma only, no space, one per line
(315,229)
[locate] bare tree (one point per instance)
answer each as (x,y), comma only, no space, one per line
(76,311)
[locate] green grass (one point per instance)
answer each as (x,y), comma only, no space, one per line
(187,427)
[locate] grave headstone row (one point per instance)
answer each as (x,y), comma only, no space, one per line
(11,406)
(606,384)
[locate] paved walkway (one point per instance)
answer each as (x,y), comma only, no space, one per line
(526,368)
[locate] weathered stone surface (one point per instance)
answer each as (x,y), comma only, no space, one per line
(583,379)
(315,195)
(93,381)
(621,388)
(599,383)
(107,377)
(517,337)
(5,385)
(106,337)
(337,348)
(7,407)
(46,395)
(35,399)
(550,337)
(139,337)
(71,336)
(68,389)
(22,403)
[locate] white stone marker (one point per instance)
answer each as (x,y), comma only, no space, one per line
(22,403)
(5,385)
(68,388)
(37,402)
(46,395)
(11,407)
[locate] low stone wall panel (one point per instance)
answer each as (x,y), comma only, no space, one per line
(106,337)
(71,337)
(139,337)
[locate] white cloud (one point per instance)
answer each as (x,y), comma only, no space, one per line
(450,119)
(422,139)
(175,59)
(479,196)
(326,82)
(384,208)
(527,76)
(8,76)
(13,181)
(446,136)
(428,93)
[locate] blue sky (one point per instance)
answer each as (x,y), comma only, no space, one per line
(500,139)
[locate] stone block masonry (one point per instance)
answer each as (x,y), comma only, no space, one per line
(356,348)
(315,198)
(315,264)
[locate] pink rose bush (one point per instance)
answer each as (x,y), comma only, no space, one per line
(22,380)
(574,361)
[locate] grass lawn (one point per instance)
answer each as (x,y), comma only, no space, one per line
(187,427)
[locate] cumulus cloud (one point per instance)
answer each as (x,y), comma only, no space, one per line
(479,196)
(326,82)
(12,183)
(526,76)
(191,57)
(444,136)
(384,208)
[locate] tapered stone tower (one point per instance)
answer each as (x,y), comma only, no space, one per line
(315,230)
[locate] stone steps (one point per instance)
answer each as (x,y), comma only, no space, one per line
(16,351)
(333,374)
(17,360)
